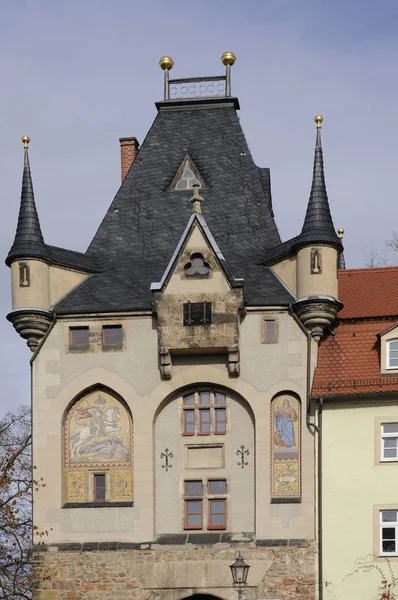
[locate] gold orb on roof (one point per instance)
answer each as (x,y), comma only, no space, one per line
(318,120)
(166,62)
(228,58)
(340,232)
(25,140)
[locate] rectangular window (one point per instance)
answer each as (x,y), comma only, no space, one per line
(189,422)
(112,336)
(79,338)
(217,486)
(193,488)
(389,441)
(388,532)
(197,313)
(193,514)
(220,421)
(204,421)
(270,332)
(99,488)
(392,354)
(217,514)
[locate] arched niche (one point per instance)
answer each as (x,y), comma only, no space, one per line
(285,437)
(204,461)
(98,449)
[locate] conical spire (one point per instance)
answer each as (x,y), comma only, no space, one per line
(318,223)
(28,241)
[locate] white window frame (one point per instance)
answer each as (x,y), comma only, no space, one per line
(388,525)
(388,365)
(384,436)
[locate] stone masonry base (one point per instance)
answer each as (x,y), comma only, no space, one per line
(171,573)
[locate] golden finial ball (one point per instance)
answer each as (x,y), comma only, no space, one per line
(166,62)
(318,120)
(25,140)
(228,58)
(340,232)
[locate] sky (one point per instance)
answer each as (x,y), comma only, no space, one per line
(78,74)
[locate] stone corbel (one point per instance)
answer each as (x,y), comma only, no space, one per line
(233,361)
(166,366)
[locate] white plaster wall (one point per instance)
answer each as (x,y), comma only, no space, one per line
(353,484)
(266,369)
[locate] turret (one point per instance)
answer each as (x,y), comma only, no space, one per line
(318,248)
(28,259)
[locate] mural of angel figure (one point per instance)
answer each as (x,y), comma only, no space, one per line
(284,418)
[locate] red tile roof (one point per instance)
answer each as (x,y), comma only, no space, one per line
(368,292)
(349,362)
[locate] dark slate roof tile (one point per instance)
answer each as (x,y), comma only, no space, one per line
(144,223)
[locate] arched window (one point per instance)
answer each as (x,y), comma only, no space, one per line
(285,447)
(205,457)
(98,451)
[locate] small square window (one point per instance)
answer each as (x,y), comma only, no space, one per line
(193,488)
(193,514)
(270,336)
(112,336)
(99,488)
(189,400)
(79,338)
(197,313)
(389,442)
(217,486)
(217,514)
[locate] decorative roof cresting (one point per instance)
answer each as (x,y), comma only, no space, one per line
(197,87)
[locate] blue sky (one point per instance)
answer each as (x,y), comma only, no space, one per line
(78,74)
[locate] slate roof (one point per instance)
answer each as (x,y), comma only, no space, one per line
(318,224)
(145,221)
(28,239)
(349,362)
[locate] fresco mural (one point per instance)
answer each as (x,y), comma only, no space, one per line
(98,432)
(285,447)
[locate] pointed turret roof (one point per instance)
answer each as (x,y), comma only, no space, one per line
(28,241)
(318,223)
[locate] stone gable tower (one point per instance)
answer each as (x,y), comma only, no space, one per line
(171,369)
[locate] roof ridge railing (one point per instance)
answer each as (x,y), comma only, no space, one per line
(197,87)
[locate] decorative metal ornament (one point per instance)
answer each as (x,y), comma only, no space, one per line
(167,455)
(241,452)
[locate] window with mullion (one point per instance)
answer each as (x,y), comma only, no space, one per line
(389,441)
(204,413)
(388,532)
(220,420)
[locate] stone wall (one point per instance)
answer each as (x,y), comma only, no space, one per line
(285,572)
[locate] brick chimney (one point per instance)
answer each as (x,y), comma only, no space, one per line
(128,151)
